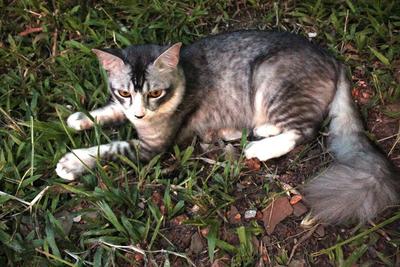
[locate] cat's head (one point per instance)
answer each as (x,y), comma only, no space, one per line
(145,80)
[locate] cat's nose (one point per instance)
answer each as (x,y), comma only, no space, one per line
(139,116)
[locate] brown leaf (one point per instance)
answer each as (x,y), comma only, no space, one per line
(253,164)
(179,220)
(30,30)
(263,251)
(138,257)
(156,198)
(277,211)
(299,209)
(204,231)
(295,199)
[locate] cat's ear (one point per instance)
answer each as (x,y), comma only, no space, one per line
(110,62)
(169,59)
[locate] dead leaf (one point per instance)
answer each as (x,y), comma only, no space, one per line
(295,199)
(138,257)
(204,231)
(178,220)
(263,251)
(253,164)
(30,30)
(276,212)
(156,198)
(299,209)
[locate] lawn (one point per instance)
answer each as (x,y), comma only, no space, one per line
(192,206)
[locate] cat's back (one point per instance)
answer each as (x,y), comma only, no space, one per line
(247,45)
(232,56)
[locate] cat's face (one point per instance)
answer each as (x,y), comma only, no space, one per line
(145,80)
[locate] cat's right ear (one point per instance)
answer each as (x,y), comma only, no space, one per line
(110,62)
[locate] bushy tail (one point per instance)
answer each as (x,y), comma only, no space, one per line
(361,182)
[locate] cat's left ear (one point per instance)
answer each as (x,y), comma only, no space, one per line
(110,62)
(169,59)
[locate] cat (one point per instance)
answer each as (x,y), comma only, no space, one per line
(278,85)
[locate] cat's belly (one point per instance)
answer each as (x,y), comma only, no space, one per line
(210,126)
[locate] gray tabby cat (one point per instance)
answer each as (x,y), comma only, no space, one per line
(278,85)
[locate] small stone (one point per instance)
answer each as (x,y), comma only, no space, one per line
(312,34)
(250,214)
(77,218)
(196,244)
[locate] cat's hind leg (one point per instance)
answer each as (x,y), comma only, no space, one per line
(107,114)
(79,161)
(273,147)
(229,134)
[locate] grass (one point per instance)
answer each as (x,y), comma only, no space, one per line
(128,215)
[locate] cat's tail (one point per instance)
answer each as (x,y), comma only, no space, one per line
(361,182)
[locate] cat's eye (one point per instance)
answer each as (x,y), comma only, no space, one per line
(124,93)
(155,93)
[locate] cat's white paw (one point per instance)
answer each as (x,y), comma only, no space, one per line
(72,165)
(79,121)
(254,150)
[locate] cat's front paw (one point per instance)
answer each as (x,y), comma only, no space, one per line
(73,165)
(79,121)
